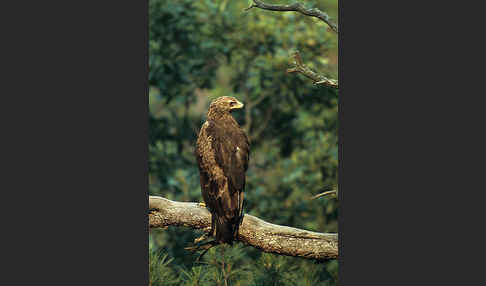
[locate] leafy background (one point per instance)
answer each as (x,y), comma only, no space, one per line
(200,50)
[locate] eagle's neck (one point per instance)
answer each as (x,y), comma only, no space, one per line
(221,117)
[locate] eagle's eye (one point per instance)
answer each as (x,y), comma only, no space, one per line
(232,103)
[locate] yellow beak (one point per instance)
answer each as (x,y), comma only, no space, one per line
(238,105)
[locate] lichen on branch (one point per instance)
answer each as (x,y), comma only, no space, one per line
(253,231)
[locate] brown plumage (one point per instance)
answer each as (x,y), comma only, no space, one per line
(223,152)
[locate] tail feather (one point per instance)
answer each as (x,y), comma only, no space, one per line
(225,231)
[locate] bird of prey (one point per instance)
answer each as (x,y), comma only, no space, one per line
(222,152)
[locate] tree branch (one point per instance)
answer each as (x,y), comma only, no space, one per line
(297,7)
(253,231)
(334,192)
(317,78)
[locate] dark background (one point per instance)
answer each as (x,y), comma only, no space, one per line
(75,144)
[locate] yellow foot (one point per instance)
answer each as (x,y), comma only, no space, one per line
(203,237)
(201,204)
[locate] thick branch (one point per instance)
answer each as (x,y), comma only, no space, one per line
(297,7)
(317,78)
(253,231)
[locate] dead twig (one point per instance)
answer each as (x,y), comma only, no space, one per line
(324,194)
(317,78)
(296,7)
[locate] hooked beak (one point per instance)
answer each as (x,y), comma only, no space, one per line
(238,105)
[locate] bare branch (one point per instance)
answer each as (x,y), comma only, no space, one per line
(297,7)
(253,231)
(317,78)
(324,194)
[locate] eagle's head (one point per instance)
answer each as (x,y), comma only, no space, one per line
(223,105)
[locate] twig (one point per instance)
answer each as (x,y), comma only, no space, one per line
(317,78)
(297,7)
(205,247)
(323,194)
(253,231)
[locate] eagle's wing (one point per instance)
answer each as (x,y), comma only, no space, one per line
(224,151)
(232,152)
(209,170)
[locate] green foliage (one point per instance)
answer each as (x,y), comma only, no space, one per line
(198,275)
(200,50)
(160,272)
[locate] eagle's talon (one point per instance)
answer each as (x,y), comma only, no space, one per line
(204,246)
(201,204)
(199,239)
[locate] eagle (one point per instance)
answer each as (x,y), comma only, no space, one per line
(222,152)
